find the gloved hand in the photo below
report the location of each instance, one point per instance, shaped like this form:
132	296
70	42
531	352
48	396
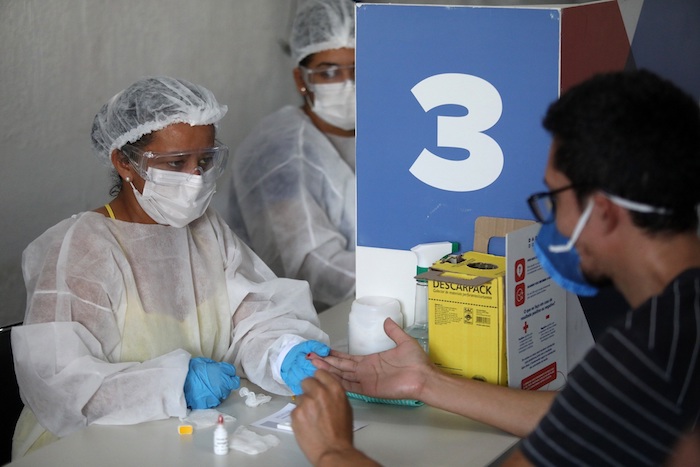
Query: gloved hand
209	382
295	367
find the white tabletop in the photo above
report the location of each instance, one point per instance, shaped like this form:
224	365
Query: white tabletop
395	435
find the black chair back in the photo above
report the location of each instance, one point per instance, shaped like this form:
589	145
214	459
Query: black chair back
11	404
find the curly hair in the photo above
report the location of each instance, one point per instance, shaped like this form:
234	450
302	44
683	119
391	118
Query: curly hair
634	135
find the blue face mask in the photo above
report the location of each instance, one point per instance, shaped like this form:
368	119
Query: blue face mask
564	267
557	253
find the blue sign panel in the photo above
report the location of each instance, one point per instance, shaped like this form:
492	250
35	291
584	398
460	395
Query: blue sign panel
449	108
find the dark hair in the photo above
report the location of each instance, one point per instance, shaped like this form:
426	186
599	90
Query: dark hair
116	179
306	60
634	135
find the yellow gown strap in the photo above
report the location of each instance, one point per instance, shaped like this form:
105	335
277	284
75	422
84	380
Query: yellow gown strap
109	211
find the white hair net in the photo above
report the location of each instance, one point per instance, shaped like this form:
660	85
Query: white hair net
322	25
148	105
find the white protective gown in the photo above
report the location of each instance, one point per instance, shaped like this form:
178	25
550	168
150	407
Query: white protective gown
293	199
116	309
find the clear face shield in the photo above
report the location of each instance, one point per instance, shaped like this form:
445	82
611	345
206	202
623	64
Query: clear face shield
209	162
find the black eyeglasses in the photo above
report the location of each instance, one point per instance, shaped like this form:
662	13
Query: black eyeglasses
543	205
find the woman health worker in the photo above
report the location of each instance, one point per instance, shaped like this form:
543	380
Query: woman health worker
149	304
293	183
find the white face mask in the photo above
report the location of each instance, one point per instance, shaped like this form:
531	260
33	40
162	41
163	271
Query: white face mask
335	103
175	198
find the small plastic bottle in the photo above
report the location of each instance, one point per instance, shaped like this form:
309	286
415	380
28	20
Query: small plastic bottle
220	437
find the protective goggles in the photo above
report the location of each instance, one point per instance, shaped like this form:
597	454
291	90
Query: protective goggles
209	161
328	74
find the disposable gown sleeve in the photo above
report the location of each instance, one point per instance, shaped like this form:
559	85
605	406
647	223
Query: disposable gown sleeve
65	351
74	386
296	198
270	316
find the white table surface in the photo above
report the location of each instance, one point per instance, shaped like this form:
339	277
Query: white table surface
395	435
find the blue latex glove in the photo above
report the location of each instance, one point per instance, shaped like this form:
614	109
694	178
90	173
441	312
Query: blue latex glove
296	367
209	382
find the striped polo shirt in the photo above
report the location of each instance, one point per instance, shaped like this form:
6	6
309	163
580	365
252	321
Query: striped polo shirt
635	392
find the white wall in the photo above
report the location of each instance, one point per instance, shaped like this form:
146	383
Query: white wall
60	60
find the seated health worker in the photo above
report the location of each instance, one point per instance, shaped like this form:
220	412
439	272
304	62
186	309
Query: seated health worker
293	185
150	304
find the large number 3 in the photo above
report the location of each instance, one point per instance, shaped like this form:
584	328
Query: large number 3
484	108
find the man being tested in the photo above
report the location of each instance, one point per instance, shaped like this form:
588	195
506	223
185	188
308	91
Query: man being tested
621	207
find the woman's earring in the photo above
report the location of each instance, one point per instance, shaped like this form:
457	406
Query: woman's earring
127	179
303	90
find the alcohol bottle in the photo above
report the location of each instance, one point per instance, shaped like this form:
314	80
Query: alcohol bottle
427	254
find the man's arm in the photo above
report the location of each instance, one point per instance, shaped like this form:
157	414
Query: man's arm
405	372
